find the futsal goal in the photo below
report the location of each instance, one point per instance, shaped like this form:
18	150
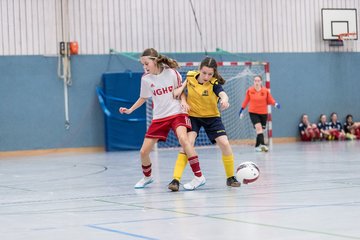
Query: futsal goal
239	77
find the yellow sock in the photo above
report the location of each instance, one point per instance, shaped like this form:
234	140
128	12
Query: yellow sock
180	165
228	165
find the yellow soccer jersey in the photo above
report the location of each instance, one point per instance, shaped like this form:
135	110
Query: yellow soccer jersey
202	98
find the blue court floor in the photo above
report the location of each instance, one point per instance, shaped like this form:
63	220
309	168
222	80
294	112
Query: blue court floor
305	191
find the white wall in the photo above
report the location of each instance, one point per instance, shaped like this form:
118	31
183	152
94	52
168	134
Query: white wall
34	27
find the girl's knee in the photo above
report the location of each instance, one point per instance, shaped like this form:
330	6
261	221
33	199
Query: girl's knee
184	143
144	153
223	143
183	139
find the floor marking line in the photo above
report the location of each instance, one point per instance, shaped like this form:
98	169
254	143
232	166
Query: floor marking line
236	220
121	232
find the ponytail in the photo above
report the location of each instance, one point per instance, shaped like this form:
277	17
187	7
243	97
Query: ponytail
220	79
159	59
167	61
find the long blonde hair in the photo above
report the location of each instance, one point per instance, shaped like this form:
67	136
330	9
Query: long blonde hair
159	59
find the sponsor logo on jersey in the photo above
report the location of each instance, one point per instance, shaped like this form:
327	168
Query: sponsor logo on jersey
161	91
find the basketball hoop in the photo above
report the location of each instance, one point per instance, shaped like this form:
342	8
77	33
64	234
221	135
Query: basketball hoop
348	39
343	37
347	36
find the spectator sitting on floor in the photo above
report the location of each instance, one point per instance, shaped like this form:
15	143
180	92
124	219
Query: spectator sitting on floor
323	127
308	131
351	128
335	127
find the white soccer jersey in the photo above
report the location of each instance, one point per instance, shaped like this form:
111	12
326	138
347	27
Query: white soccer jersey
160	88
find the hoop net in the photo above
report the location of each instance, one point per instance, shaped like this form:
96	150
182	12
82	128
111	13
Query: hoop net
347	36
348	39
239	77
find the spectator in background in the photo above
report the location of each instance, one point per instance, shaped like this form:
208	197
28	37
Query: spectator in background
335	128
308	131
351	128
323	127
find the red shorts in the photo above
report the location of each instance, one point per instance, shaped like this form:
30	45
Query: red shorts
305	138
160	128
312	134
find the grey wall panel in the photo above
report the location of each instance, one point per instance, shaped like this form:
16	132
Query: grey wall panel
34	27
28	27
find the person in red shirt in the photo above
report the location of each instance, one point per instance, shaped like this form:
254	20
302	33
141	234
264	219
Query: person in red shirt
258	98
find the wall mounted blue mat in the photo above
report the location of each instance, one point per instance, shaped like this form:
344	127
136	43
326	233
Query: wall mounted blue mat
122	131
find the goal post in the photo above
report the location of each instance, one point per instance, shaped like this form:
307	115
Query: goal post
239	77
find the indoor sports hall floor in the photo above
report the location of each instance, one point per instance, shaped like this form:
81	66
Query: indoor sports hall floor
305	191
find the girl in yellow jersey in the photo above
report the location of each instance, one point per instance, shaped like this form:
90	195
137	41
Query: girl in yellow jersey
204	92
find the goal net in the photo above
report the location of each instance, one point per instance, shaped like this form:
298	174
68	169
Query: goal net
239	77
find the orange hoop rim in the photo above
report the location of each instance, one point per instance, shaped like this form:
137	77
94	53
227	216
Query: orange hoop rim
346	36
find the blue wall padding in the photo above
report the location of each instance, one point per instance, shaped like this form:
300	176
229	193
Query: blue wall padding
122	131
32	106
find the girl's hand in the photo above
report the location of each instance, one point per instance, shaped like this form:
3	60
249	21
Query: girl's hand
123	110
224	105
177	93
185	106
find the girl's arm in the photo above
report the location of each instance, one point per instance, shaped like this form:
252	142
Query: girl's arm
135	106
178	91
224	100
184	103
272	101
246	100
244	104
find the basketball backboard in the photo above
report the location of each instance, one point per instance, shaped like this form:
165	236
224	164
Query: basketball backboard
337	21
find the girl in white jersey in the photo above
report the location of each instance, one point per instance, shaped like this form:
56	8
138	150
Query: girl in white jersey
158	82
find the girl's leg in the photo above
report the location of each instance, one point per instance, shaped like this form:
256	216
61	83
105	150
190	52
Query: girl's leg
259	132
341	135
258	121
326	134
145	150
260	142
316	132
182	158
228	160
181	133
311	133
357	133
224	145
199	180
335	134
180	165
305	137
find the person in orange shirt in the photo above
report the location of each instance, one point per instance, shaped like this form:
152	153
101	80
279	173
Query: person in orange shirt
258	98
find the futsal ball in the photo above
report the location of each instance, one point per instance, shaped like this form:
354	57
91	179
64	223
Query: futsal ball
247	172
